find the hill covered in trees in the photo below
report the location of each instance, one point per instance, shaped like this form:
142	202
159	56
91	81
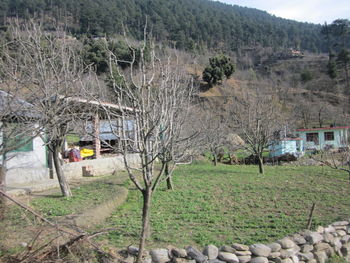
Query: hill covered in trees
257	43
193	25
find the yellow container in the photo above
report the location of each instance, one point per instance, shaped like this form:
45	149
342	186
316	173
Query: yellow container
86	153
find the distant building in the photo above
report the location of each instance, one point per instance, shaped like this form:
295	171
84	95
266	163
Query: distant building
323	138
294	52
293	146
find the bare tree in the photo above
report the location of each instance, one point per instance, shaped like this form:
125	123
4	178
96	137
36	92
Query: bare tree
302	112
181	150
46	67
257	119
153	96
338	161
213	130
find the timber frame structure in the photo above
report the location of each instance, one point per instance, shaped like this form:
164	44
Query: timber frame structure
97	111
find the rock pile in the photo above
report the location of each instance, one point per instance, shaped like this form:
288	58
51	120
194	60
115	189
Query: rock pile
302	247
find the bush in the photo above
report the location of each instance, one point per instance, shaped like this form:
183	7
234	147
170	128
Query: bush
306	76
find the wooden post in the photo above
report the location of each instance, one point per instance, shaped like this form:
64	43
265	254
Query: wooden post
97	141
50	164
120	133
135	135
2	188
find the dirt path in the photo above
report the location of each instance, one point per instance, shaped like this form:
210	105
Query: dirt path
92	215
20	228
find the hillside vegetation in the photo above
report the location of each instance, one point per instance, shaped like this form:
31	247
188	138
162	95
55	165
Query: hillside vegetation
257	43
193	25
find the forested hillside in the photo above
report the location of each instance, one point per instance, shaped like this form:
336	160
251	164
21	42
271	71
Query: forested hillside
192	25
312	88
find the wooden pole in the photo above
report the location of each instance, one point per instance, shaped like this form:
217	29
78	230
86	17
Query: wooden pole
97	141
50	164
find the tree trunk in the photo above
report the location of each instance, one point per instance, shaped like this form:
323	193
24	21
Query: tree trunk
261	164
347	79
2	188
65	189
215	160
320	121
169	180
145	232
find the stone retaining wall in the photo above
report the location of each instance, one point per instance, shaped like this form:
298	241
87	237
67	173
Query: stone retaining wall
101	166
302	247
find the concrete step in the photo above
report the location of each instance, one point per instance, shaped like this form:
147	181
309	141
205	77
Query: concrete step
23	189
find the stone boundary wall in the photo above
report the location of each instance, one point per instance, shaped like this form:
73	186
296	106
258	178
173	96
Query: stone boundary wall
303	247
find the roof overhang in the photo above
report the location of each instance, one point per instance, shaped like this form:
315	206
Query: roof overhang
326	128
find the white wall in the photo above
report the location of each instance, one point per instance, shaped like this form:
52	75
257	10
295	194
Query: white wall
340	139
31	159
28	167
101	166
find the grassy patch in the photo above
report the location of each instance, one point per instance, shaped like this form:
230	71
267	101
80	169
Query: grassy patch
20	226
72	138
336	259
84	197
15	221
225	204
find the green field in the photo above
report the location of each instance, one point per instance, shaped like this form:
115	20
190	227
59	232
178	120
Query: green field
225	204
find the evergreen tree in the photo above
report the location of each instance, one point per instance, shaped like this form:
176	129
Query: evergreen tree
219	66
181	23
344	59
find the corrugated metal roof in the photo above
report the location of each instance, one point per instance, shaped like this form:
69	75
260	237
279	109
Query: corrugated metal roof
98	103
103	137
326	128
108	130
291	139
11	106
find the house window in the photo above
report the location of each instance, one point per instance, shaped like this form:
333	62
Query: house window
312	137
15	138
25	144
329	136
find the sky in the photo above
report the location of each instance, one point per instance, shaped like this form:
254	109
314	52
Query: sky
312	11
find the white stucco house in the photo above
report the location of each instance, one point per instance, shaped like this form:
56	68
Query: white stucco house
22	149
25	156
28	163
293	146
328	137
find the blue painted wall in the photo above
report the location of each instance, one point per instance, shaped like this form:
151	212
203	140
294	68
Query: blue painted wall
340	139
282	147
